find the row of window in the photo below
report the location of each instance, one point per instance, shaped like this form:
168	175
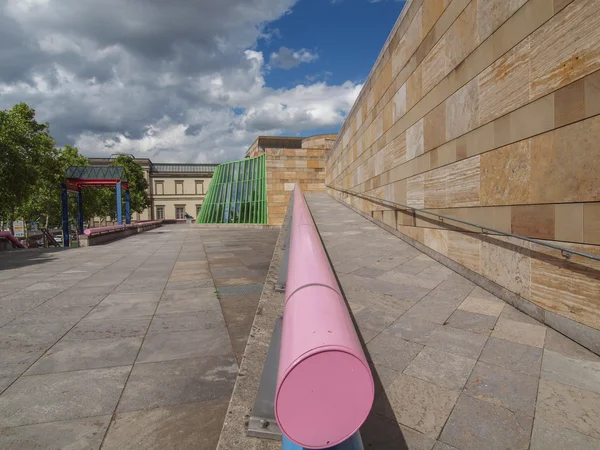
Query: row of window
179	212
159	187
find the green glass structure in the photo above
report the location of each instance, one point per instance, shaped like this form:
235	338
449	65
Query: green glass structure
237	193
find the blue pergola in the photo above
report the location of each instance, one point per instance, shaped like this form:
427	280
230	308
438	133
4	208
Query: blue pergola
78	177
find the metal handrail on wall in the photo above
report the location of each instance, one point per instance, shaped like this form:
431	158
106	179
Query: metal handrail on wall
565	252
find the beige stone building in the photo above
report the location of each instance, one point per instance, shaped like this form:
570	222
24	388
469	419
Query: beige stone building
174	189
489	112
291	160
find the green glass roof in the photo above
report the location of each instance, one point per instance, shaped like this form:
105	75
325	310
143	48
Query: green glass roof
237	193
96	173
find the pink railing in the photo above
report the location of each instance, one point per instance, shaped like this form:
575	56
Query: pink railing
14	241
325	388
102	230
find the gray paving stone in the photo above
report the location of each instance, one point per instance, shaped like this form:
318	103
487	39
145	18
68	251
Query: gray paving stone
15	336
511	313
512	356
373	319
231	272
415	440
439	445
397	276
432	310
193	425
388	303
561	344
367	335
79	434
111	310
368	272
184	300
481	305
403	291
568	407
185	344
194	284
421	405
383	377
390	351
179	382
62	396
459	342
348	266
475	424
442	368
78	296
133	297
450	292
50	313
413	329
15	361
22	302
415	265
546	436
49	286
108	328
5	382
520	332
188	321
574	372
468	321
87	354
146	285
512	390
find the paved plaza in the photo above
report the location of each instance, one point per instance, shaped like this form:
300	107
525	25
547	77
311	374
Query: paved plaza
130	345
136	345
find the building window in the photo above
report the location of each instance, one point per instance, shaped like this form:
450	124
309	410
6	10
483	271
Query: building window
159	188
198	208
199	187
160	212
179	188
180	212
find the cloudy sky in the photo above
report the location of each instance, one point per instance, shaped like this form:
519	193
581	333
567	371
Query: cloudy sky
188	80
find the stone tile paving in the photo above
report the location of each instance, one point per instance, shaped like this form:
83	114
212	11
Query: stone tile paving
239	260
455	367
124	345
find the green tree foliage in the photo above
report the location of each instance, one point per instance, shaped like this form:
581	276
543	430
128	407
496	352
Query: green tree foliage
32	170
138	184
26	151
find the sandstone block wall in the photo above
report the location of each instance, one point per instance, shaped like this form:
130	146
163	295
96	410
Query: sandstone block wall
488	111
286	167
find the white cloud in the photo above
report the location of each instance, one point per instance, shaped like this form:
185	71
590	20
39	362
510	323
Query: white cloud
173	81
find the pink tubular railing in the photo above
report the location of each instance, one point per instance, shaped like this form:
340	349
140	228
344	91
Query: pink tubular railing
325	388
102	230
14	241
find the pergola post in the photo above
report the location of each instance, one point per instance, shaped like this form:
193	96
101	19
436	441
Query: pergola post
80	211
119	205
65	214
127	207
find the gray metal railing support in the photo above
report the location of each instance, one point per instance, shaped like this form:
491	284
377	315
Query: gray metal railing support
283	268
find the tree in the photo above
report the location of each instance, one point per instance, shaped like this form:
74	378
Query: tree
26	151
138	184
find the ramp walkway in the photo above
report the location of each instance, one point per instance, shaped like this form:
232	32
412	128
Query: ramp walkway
454	366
